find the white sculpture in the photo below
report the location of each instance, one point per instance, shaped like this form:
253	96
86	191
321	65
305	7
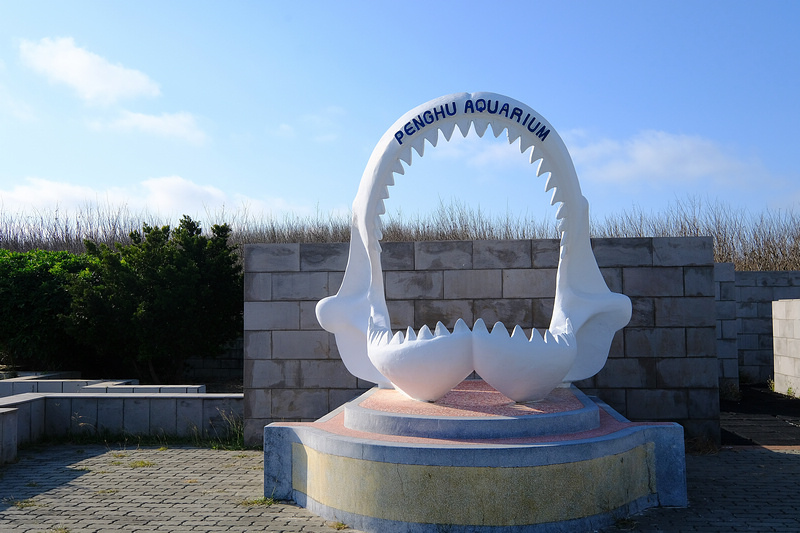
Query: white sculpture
428	364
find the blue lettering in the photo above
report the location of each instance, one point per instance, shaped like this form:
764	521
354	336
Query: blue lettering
527	116
398	136
438	112
541	135
480	105
418	122
534	128
447	108
504	110
409	129
468	106
489	107
427	116
517	112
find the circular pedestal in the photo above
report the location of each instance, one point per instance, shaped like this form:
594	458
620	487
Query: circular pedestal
475	462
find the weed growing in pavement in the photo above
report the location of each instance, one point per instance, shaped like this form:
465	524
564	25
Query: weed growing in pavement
21	504
141	464
338	526
257	501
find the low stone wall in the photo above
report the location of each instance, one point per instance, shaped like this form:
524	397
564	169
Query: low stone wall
29	417
786	338
662	366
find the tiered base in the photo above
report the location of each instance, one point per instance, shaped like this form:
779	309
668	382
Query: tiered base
475	461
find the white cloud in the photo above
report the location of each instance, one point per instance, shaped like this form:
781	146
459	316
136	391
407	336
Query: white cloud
178	125
660	158
168	196
95	79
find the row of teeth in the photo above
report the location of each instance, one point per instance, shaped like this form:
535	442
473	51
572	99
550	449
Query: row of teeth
481	125
381	336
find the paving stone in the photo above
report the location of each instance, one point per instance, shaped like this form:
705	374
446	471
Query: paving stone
192	489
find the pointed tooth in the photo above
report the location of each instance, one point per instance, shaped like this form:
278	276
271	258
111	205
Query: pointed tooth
558	196
480	327
425	333
432	137
378	234
518	332
440	330
381	207
524	143
550	183
480	126
390	180
561	212
419	145
384	192
513	134
447	131
548	337
397	339
460	326
405	155
499	329
544	167
398	168
536	336
463	126
410	335
497	130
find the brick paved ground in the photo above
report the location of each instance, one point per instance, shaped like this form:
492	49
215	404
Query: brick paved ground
97	489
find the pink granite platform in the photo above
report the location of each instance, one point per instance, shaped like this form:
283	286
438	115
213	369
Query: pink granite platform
472	397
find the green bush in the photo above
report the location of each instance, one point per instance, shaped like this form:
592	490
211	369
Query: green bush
34	297
131	310
153	303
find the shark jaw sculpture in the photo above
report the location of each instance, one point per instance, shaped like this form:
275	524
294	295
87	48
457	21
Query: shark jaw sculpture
426	365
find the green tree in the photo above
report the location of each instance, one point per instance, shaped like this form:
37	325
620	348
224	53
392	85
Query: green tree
33	300
167	296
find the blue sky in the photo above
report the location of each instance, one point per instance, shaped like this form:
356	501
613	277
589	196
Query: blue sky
186	107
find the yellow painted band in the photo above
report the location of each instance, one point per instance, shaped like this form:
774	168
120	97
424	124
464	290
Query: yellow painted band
477	496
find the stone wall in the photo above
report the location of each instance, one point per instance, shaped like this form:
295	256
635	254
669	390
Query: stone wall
755	292
786	338
663	366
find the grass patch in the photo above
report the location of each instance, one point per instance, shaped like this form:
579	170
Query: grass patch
21	504
338	526
141	464
266	502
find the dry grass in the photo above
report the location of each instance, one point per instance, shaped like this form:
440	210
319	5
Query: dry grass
767	240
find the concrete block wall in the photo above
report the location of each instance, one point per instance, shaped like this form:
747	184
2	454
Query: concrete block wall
228	366
755	292
786	338
663	366
29	417
727	329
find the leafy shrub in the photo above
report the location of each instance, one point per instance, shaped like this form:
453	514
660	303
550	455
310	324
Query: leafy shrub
131	310
153	303
34	297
